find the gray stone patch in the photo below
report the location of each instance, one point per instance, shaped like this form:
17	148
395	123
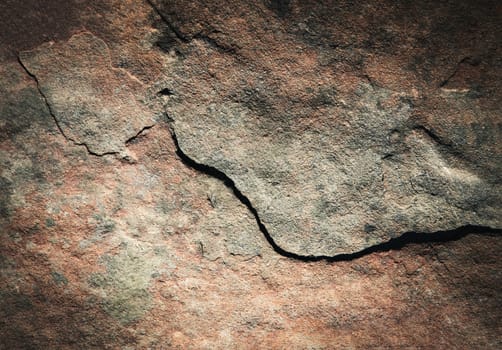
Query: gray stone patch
95	104
316	188
124	286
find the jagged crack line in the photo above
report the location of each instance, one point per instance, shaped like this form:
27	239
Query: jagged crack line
457	67
51	112
393	244
138	134
212	171
94	153
184	39
56	121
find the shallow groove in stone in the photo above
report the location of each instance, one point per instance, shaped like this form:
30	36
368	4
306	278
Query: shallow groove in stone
168	23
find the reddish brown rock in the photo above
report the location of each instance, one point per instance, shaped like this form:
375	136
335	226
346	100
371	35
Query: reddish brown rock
147	252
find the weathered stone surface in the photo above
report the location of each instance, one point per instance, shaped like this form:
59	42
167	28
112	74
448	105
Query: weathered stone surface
95	104
334	155
101	252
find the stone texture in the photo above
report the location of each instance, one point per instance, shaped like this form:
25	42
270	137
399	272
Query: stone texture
140	250
332	150
94	104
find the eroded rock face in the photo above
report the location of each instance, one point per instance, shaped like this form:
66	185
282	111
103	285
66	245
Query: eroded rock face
139	249
334	156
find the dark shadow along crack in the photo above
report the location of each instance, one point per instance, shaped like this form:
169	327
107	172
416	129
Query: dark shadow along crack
393	244
215	44
455	71
134	138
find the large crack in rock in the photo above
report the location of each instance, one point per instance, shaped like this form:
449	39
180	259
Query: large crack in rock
315	200
94	104
394	243
332	164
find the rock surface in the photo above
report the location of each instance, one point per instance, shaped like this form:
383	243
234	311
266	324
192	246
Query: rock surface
334	126
93	103
333	159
